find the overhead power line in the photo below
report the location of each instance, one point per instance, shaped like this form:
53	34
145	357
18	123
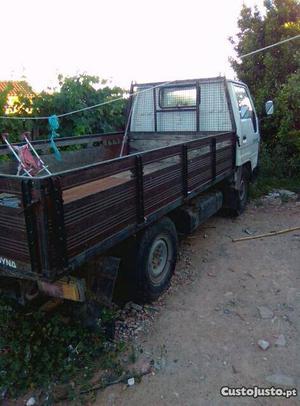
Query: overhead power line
138	92
269	46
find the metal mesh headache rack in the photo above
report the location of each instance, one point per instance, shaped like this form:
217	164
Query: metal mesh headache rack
195	106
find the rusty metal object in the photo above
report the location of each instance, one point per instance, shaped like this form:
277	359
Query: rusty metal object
69	288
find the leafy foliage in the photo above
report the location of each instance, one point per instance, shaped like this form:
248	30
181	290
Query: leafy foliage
37	349
274	171
288	106
265	72
273	73
13	127
79	92
74	93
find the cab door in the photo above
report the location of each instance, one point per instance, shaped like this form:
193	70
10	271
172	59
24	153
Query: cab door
248	128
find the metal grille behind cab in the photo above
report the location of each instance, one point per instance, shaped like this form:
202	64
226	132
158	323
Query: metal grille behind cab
199	106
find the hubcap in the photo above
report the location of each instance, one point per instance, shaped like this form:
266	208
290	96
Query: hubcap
158	257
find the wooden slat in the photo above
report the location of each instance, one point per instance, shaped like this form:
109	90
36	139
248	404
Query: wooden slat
96	171
94	217
159	154
43	145
10	185
13	234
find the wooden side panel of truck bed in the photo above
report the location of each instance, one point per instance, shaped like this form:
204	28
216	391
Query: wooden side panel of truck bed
68	218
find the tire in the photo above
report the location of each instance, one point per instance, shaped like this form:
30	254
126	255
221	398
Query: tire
236	200
155	260
242	194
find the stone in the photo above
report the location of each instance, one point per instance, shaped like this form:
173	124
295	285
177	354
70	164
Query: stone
272	195
130	382
3	393
152	308
281	341
31	402
287	193
263	344
265	312
159	364
247	231
136	307
281	379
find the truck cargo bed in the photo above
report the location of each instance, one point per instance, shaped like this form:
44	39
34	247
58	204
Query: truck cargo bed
62	220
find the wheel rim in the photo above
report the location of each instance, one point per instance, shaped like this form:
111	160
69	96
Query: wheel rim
159	258
242	191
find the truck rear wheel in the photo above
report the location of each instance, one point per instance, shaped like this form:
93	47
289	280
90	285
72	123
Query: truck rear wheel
155	260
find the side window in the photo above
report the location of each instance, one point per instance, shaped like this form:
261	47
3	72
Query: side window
176	97
244	101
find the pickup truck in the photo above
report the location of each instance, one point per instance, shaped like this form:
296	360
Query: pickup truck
190	148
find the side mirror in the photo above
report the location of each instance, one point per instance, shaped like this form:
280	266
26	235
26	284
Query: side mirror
244	111
269	107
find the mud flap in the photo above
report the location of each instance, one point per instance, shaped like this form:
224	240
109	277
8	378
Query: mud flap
101	279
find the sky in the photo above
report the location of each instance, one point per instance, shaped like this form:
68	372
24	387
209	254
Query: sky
129	40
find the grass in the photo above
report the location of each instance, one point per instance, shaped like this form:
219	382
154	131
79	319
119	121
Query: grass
265	185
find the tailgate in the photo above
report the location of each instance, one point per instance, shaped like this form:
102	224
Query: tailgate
14	248
31	232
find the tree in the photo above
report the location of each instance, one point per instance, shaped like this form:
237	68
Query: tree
273	74
266	72
22	105
287	120
74	93
79	92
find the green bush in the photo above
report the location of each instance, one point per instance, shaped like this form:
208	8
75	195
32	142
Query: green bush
278	161
276	170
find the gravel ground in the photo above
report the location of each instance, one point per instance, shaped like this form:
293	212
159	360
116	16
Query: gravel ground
228	301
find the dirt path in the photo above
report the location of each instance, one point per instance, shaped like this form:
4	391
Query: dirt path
206	333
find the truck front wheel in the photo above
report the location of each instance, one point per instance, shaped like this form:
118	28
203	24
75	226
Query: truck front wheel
155	260
235	200
242	194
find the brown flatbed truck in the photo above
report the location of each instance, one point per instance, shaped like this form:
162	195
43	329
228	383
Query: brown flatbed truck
183	139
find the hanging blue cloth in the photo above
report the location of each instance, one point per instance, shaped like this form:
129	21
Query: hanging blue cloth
54	125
